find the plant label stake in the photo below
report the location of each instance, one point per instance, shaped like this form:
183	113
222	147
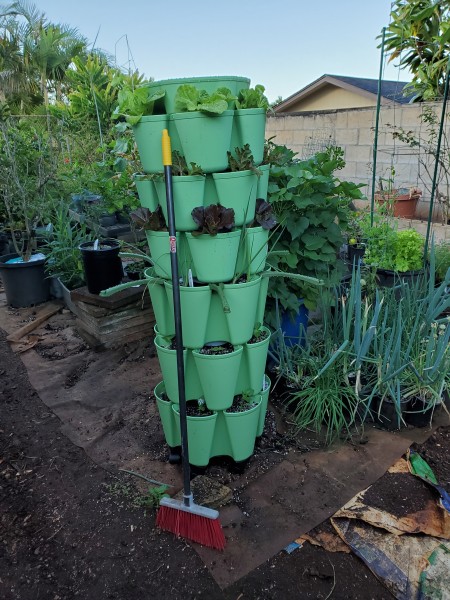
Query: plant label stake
184	519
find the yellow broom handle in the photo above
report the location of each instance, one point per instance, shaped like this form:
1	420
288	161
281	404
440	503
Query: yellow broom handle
166	149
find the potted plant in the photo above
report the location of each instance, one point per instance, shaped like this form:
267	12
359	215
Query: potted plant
145	186
28	181
167	415
188	183
214	245
201	424
254	249
397	202
250	121
102	264
236	188
136	105
242	421
204	123
218	362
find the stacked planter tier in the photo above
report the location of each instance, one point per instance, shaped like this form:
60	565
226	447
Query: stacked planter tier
220	307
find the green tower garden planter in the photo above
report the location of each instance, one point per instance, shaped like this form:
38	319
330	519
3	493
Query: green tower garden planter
158	242
195	307
264	402
254	361
209	84
168	417
168	363
205	139
148	134
249	128
263	182
218	375
237	190
242	427
242	300
158	296
147	192
188	193
253	253
200	435
214	257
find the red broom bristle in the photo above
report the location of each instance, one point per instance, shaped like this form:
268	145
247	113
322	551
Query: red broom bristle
202	530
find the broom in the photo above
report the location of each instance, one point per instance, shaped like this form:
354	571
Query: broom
183	518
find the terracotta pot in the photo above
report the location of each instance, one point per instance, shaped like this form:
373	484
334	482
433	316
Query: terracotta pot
404	205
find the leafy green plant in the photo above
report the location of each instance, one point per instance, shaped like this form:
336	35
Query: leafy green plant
189	98
442	253
252	98
180	166
243	160
213	219
135	102
312	206
394	250
63	255
264	216
146	220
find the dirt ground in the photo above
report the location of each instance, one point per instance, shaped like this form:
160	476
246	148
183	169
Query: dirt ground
64	534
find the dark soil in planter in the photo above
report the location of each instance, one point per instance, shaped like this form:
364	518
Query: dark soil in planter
259	336
194	409
135	271
240	404
225	348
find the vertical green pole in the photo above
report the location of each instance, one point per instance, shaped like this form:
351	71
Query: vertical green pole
436	164
377	120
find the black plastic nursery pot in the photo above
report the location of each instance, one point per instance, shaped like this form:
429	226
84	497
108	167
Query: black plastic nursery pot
419	413
356	253
387	278
102	267
25	283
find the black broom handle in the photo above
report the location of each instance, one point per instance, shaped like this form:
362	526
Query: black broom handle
167	161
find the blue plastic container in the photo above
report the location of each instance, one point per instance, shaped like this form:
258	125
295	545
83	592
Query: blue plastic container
294	329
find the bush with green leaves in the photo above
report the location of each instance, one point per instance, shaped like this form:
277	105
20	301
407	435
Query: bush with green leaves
394	250
311	205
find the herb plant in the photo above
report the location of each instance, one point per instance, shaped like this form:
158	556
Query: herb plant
189	98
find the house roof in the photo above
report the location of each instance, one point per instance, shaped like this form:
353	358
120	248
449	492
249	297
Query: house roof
391	91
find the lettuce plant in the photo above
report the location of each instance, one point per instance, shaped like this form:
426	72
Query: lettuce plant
180	166
264	216
189	98
213	219
148	221
252	98
243	160
135	103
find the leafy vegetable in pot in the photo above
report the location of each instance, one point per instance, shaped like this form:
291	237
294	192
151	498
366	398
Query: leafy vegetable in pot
264	215
148	221
243	160
180	167
189	98
252	98
213	219
136	103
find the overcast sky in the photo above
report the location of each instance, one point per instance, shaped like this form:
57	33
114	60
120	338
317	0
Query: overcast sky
283	46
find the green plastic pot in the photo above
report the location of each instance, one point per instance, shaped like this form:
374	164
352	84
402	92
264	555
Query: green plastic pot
168	363
237	190
158	242
256	358
261	307
249	128
205	139
188	193
195	304
242	428
218	376
148	135
263	182
209	84
214	257
211	196
264	402
242	299
253	253
147	192
200	436
161	307
168	419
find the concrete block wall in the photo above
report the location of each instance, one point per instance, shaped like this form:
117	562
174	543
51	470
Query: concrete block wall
353	130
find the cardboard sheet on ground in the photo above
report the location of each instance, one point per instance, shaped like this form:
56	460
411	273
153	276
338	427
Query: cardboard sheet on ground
103	403
412	567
